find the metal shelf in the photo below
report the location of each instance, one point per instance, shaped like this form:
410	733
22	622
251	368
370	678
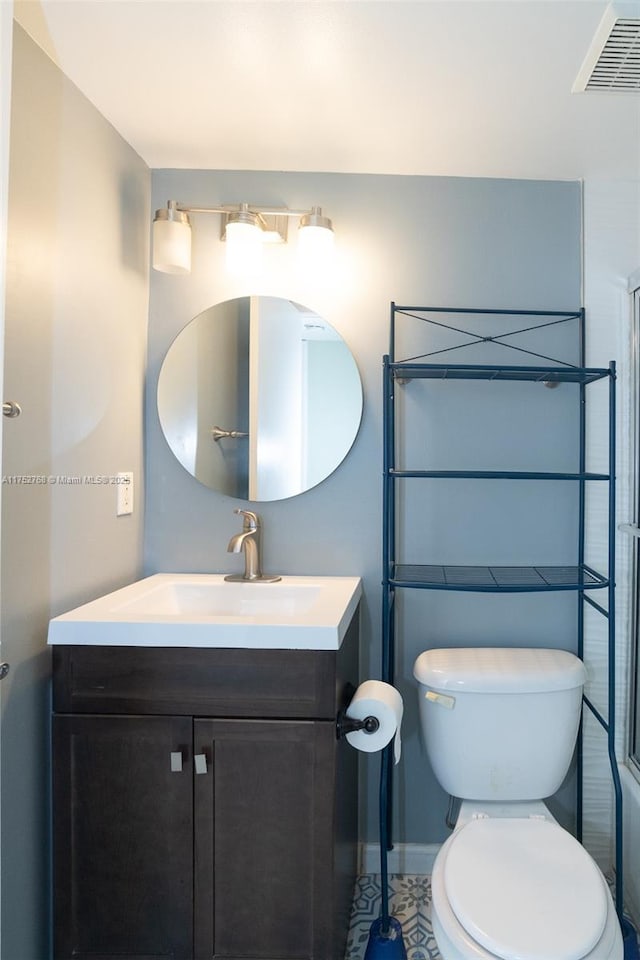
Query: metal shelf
493	328
409	370
492	475
496	579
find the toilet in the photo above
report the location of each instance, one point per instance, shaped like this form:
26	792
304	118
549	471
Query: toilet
500	727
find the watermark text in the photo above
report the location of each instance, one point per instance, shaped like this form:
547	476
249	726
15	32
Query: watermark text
40	479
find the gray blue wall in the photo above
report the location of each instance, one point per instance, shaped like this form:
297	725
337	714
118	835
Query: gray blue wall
440	241
76	317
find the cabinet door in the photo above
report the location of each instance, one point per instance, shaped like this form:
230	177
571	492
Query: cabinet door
123	837
264	840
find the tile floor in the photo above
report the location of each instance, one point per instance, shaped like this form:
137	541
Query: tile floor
409	902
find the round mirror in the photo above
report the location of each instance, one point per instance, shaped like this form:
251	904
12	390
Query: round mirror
259	398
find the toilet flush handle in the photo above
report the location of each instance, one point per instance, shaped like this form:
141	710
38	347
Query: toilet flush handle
442	699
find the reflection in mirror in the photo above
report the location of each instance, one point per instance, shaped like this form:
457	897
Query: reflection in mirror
259	398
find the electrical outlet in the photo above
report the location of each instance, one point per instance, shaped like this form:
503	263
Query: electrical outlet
124	497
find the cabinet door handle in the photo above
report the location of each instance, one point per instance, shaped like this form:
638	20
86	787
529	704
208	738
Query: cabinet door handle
200	761
176	761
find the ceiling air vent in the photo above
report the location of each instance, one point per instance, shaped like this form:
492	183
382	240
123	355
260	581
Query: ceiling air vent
612	64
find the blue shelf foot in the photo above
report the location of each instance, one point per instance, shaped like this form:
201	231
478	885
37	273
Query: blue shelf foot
630	940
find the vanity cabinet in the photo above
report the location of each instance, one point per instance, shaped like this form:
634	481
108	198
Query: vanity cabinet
203	806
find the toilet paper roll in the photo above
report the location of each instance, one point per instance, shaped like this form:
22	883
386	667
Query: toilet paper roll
373	698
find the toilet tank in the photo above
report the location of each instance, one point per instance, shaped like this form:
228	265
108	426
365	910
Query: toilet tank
499	723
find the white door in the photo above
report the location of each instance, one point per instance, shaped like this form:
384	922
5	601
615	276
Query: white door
6	33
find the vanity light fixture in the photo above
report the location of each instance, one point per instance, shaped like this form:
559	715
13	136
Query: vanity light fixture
315	232
243	233
244	226
172	240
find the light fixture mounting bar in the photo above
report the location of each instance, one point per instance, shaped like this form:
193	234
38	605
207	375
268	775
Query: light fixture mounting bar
235	207
273	220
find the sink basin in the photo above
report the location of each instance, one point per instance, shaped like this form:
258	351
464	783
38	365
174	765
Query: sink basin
203	610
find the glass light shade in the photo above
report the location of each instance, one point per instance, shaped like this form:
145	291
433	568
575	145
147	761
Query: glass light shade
244	248
315	242
171	246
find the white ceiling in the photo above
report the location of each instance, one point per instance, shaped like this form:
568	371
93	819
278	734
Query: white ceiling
437	87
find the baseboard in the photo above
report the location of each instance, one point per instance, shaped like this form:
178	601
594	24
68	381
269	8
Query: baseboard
404	858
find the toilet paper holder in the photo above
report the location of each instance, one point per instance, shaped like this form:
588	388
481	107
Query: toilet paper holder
345	724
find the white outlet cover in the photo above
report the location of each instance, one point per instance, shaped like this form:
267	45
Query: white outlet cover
124	496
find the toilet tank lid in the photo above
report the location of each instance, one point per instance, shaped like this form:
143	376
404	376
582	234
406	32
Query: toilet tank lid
499	669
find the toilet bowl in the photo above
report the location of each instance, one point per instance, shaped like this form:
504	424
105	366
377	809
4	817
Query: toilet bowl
520	888
500	727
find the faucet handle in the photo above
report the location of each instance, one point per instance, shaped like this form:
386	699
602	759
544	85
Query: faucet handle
251	519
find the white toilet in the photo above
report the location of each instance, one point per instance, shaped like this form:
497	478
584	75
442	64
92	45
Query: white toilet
500	727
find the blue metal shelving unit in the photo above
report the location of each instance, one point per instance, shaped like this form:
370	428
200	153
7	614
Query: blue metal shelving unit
580	578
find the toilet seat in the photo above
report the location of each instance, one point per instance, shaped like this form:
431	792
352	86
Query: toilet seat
496	869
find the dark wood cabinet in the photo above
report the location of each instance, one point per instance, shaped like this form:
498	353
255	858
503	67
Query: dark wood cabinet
123	828
269	844
226	830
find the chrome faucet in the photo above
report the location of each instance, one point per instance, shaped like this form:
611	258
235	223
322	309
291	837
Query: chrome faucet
248	541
